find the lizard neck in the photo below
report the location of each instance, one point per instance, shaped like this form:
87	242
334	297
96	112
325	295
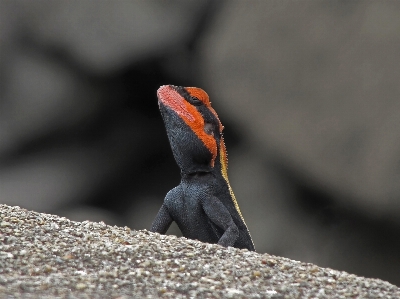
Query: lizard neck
217	170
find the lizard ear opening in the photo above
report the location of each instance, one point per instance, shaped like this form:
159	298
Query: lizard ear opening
208	128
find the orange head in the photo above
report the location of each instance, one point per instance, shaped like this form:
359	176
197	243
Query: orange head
193	126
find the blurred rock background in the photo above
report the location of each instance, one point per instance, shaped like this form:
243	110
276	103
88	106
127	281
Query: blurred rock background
308	92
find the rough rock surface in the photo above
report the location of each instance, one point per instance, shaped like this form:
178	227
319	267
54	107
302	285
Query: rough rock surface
46	256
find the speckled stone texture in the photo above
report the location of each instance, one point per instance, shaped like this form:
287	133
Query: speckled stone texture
45	256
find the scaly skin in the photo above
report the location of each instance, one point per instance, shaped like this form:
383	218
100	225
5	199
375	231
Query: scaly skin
203	204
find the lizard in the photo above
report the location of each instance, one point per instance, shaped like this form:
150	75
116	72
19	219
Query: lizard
203	204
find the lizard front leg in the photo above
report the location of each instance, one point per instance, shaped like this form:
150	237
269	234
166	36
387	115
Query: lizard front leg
162	221
220	216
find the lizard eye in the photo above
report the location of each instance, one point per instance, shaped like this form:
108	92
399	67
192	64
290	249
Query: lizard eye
194	101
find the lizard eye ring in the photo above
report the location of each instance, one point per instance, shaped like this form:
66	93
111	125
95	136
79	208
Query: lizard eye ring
194	101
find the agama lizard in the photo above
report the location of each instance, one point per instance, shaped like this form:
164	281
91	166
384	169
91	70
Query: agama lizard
203	204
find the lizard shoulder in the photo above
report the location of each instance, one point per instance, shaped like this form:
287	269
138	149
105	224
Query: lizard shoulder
173	195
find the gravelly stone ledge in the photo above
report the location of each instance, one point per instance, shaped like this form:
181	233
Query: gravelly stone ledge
46	256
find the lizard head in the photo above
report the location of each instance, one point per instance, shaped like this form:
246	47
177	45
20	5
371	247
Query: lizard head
193	127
